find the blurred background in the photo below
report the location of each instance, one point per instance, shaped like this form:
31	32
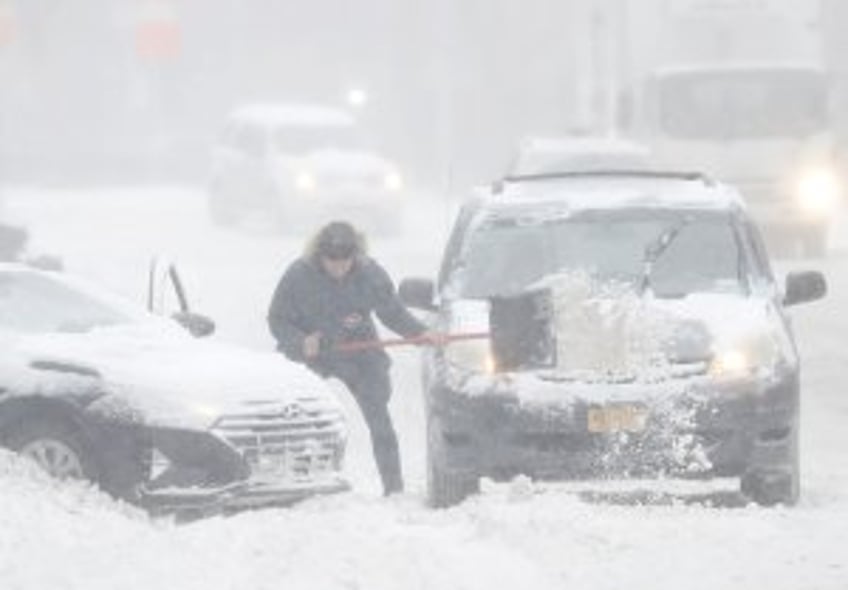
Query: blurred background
136	90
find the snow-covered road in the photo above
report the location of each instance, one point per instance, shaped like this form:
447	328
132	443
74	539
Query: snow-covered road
64	536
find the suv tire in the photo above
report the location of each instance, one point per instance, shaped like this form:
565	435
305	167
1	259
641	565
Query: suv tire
445	487
772	488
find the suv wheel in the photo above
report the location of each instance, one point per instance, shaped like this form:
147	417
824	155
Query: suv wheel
445	487
56	448
778	487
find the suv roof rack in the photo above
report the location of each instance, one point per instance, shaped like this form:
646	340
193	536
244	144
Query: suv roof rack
499	185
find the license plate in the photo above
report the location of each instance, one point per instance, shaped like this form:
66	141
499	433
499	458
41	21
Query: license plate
617	418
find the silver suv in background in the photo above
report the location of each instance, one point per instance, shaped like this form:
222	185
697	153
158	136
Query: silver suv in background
301	165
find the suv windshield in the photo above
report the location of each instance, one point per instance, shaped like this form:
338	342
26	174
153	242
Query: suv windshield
503	257
305	139
36	304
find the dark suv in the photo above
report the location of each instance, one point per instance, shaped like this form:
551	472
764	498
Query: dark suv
635	330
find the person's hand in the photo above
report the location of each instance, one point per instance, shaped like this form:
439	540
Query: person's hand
312	345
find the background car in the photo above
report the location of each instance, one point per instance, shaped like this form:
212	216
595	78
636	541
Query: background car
544	155
302	164
94	387
636	330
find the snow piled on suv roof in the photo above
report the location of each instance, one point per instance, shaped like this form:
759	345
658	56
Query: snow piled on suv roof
617	190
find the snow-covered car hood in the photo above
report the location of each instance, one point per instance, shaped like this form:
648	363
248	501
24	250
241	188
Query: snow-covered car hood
626	338
170	378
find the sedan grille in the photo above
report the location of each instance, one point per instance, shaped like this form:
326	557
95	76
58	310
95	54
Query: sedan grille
293	441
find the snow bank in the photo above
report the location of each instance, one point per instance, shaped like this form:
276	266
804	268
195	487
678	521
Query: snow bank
74	538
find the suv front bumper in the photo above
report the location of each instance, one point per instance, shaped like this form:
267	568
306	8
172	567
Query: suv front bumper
707	430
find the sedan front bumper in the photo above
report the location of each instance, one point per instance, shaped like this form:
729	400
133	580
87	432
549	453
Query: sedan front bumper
201	471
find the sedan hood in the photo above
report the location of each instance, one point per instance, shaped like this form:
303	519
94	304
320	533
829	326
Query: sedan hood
175	380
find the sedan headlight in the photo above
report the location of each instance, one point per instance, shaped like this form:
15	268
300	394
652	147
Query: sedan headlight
209	412
818	192
393	182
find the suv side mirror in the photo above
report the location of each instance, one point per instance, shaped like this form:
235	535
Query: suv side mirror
804	286
417	293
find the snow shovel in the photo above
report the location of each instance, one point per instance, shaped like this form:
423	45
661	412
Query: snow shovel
358	345
521	332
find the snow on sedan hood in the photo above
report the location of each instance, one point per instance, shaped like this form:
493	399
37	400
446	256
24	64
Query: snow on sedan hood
173	379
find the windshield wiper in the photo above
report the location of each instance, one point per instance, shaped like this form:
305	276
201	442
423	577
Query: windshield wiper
655	249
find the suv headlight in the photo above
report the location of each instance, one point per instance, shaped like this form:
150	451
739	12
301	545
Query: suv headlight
758	355
731	363
818	191
471	355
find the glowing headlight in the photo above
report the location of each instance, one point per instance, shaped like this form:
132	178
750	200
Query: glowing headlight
818	192
471	355
206	410
393	182
731	363
756	354
305	182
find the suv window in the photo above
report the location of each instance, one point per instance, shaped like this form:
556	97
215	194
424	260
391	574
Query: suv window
504	256
251	140
303	139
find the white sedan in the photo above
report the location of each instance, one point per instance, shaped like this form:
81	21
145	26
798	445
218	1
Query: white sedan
92	386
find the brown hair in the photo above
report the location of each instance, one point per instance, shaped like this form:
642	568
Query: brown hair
337	239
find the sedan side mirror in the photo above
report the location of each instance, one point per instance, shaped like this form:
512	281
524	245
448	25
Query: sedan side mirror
804	286
417	293
196	324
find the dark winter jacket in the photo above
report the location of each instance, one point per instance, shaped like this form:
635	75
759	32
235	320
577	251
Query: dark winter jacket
309	300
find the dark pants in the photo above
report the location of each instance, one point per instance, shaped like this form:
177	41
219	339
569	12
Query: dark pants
369	383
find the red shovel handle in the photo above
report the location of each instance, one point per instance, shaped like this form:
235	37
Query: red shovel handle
358	345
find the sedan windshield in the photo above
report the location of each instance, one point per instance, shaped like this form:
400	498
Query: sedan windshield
504	257
34	303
